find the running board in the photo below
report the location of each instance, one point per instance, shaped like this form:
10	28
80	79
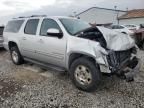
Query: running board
46	65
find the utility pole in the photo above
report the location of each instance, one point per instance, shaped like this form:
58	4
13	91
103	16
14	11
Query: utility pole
117	14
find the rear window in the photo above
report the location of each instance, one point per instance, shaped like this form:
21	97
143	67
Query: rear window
14	26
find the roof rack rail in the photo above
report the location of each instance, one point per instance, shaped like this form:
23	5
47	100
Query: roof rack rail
38	16
31	16
20	17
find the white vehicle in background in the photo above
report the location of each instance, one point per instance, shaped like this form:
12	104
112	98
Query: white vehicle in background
132	26
122	29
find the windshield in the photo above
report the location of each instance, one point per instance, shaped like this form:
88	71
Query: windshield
73	26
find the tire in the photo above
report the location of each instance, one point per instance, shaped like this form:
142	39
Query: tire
92	71
16	56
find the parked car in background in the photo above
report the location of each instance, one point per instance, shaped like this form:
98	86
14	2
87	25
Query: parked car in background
72	45
141	26
139	38
132	27
1	35
122	29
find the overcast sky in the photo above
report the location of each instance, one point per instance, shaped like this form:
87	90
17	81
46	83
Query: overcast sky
12	8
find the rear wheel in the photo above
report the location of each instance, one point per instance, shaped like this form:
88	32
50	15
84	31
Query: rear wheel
16	56
85	74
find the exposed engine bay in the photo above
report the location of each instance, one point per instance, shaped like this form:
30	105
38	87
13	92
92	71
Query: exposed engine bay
95	35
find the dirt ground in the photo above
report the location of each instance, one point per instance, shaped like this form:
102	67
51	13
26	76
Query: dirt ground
28	86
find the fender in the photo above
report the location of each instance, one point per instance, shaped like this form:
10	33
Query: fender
87	48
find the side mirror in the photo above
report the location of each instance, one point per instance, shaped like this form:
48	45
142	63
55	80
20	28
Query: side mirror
54	33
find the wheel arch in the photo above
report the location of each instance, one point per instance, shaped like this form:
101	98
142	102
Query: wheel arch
73	56
11	44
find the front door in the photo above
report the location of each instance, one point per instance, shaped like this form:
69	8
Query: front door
51	49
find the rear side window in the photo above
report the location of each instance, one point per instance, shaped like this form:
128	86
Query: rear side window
31	26
14	26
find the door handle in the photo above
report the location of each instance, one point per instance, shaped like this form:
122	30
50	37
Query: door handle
24	38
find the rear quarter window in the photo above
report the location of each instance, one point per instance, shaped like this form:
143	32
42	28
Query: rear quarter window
14	26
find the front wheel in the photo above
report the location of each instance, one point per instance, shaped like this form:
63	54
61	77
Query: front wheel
16	56
85	74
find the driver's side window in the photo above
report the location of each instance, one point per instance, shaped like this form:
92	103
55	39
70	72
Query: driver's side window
47	24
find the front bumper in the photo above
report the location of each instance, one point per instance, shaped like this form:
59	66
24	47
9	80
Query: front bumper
129	68
120	60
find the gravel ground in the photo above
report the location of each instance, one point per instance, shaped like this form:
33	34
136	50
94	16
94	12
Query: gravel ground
28	86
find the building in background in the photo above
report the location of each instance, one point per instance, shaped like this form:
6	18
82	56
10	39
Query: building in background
101	15
135	16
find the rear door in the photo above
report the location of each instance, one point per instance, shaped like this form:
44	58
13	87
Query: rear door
28	38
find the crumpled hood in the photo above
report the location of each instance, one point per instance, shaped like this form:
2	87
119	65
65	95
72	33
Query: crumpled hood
116	41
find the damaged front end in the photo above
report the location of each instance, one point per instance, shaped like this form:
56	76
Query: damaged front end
120	48
123	63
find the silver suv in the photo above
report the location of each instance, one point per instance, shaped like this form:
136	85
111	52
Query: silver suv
68	44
